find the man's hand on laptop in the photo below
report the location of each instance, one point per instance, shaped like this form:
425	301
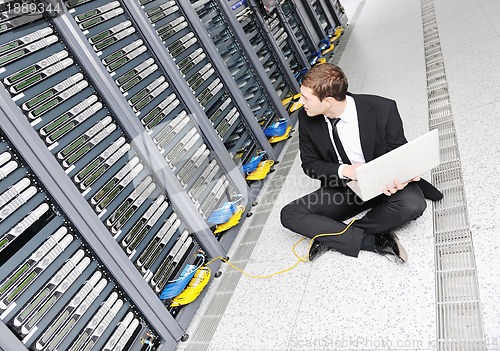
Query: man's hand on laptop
349	170
393	188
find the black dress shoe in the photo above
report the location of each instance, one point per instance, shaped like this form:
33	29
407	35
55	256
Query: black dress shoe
389	244
317	249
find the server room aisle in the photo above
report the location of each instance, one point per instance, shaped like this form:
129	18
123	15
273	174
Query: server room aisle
338	302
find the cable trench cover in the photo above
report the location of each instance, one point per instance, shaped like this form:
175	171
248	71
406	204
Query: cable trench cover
459	315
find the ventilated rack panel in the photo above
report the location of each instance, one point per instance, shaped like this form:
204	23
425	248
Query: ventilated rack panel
256	34
148	89
73	120
299	31
200	73
338	12
242	72
321	15
54	292
284	41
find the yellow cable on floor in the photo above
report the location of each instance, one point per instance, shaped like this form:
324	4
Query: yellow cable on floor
194	288
261	171
234	220
324	52
338	32
300	258
285	136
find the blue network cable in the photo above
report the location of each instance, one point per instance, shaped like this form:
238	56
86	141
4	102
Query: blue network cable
299	75
175	287
277	129
223	214
324	44
315	57
253	163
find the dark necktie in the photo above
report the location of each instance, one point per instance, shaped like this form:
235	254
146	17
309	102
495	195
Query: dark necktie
338	143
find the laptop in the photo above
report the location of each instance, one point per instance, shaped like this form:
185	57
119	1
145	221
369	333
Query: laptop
403	163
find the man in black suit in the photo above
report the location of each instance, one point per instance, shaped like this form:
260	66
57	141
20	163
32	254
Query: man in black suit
338	132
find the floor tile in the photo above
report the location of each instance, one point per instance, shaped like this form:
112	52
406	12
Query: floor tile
472	78
261	312
482	181
370	299
486	248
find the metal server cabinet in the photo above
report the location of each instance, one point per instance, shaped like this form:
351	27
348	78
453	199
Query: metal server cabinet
271	57
320	12
287	42
337	11
195	146
117	183
237	54
310	18
196	57
299	28
55	291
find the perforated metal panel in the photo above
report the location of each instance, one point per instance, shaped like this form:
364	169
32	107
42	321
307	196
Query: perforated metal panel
459	319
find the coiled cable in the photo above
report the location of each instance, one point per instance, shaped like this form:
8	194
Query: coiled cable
253	163
276	129
175	287
194	287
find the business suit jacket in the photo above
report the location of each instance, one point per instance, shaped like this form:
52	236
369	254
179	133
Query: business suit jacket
380	131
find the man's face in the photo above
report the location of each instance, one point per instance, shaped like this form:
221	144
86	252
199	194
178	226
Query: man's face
312	105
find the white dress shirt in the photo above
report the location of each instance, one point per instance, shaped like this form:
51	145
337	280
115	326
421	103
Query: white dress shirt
348	130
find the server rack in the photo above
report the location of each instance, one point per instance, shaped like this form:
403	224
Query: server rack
286	41
201	66
56	287
321	14
86	141
153	81
264	44
299	28
255	86
310	19
336	10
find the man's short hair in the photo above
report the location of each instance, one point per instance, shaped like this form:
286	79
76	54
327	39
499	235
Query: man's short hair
326	80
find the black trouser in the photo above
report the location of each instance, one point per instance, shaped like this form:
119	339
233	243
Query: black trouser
322	211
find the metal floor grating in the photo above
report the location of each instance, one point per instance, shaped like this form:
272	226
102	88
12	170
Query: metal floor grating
459	318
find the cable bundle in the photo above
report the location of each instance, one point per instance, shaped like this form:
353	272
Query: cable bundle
314	58
253	163
299	75
285	136
194	288
223	214
277	129
175	287
234	220
261	171
324	44
292	98
329	49
338	32
321	61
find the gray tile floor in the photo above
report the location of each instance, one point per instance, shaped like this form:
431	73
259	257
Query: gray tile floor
369	303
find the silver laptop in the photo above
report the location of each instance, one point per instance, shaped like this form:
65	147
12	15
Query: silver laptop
403	163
